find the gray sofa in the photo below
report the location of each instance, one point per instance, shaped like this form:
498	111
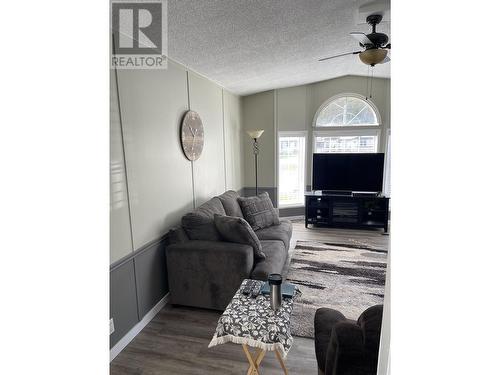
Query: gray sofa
205	271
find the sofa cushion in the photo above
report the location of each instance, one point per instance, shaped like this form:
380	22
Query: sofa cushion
282	232
275	260
259	211
200	225
236	229
230	202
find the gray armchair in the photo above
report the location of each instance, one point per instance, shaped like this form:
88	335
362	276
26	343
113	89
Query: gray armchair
347	347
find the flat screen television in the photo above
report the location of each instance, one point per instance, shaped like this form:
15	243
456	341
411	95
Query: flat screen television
348	172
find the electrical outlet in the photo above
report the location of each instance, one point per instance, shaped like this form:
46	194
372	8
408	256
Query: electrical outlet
111	326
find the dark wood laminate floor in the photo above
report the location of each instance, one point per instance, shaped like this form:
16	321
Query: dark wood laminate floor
176	340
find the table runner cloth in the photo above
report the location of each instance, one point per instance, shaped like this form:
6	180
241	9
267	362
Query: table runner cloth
251	321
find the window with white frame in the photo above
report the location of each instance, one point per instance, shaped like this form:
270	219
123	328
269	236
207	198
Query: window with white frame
354	141
292	158
348	124
346	110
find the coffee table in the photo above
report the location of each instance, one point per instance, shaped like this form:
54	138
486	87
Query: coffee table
251	322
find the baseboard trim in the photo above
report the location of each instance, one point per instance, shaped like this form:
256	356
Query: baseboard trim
129	336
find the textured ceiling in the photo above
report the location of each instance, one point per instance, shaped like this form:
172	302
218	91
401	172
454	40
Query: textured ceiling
248	46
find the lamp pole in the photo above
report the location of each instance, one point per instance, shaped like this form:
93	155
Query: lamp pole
255	134
256	152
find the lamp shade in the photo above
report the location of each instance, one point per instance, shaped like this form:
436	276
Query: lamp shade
373	56
254	134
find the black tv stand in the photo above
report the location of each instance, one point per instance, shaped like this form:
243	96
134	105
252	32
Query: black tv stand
336	192
347	211
364	194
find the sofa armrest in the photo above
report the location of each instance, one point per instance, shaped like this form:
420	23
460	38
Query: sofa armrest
207	273
345	348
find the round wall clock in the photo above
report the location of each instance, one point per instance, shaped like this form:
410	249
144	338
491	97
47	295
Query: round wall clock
192	136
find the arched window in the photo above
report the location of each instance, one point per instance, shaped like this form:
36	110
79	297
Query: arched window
346	123
346	111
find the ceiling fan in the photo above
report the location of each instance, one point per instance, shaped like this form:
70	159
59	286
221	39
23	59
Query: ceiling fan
375	44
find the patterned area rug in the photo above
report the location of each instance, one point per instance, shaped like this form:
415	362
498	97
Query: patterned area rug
348	277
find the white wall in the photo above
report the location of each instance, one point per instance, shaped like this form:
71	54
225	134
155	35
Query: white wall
258	113
120	235
234	141
293	107
381	97
160	178
209	176
294	110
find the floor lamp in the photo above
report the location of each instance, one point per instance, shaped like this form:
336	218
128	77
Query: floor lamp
255	135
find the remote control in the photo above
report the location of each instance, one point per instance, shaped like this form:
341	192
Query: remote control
255	289
248	288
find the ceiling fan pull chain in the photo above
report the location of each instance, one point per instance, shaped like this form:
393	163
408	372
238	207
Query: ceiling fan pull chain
367	81
371	84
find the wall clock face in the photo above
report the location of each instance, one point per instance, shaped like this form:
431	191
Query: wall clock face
192	136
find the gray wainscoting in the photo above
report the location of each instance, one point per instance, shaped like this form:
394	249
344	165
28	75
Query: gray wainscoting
151	276
137	284
292	211
123	300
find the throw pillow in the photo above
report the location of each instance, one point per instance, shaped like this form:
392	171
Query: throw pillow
200	227
230	203
259	211
236	229
199	224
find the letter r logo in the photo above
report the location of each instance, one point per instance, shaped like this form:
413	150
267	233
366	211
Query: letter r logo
137	28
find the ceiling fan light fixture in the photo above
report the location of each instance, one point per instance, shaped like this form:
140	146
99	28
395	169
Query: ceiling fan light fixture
373	56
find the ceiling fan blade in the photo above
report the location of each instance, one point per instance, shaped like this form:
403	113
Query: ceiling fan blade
342	54
361	37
